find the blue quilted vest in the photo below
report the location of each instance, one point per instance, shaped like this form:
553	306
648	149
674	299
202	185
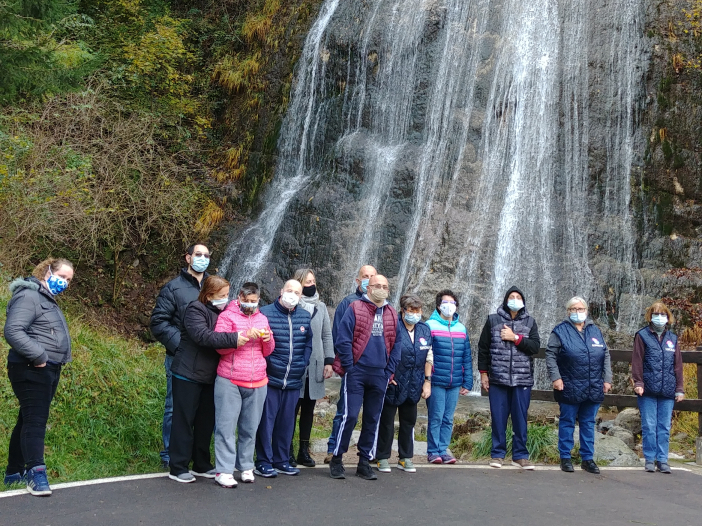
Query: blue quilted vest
659	363
287	363
581	364
409	373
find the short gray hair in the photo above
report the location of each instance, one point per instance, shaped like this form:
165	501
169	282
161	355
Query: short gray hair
576	299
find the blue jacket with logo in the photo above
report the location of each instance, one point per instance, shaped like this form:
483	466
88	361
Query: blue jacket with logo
659	363
409	373
453	364
581	363
292	332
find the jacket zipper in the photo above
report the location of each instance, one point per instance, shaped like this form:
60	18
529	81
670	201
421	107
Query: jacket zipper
451	338
287	371
511	357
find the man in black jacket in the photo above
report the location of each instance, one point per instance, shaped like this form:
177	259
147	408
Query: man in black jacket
509	340
167	322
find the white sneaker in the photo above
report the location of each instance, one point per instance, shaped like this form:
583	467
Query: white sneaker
248	476
226	480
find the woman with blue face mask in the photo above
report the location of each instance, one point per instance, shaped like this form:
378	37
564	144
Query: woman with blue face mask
39	347
411	381
580	368
657	371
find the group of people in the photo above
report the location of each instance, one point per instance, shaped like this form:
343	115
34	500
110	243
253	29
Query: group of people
243	372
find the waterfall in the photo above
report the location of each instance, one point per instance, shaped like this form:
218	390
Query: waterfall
470	144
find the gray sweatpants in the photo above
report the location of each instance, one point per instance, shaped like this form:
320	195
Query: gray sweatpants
236	409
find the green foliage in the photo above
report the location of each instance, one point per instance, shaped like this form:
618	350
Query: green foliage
39	51
90	179
542	443
105	418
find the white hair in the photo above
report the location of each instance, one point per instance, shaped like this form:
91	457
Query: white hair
575	299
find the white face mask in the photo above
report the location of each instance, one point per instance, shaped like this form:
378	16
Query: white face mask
289	299
220	304
448	309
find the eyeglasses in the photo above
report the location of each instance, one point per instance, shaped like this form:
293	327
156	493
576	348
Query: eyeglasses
448	301
384	287
201	255
574	309
659	314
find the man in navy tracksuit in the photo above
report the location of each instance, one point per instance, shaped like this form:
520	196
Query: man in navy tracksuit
366	357
292	333
364	274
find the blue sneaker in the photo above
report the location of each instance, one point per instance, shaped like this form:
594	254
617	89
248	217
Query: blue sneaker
15	478
447	459
434	459
286	469
264	470
37	483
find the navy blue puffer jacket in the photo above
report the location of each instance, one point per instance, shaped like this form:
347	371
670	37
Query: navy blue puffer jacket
659	363
292	332
581	362
409	373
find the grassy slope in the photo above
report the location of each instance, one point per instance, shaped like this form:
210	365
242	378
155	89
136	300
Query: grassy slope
105	419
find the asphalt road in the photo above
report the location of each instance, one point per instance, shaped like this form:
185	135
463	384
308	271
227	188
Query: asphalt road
432	496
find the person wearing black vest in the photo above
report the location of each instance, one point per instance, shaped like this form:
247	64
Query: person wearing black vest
367	355
578	362
365	273
291	326
411	381
657	371
507	343
167	323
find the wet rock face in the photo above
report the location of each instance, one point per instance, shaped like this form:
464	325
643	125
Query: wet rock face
490	158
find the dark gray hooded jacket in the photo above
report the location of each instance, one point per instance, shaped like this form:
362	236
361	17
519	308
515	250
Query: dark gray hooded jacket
35	328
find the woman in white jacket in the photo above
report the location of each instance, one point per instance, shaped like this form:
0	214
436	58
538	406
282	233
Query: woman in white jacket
319	368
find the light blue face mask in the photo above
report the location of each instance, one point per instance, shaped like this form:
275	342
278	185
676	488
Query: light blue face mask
200	264
412	318
659	320
578	317
364	285
515	305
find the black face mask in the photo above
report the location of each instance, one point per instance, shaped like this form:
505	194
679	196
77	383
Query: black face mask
310	291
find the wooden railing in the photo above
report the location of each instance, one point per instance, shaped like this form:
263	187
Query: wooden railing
621	400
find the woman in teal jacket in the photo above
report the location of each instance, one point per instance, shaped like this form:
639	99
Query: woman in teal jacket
452	375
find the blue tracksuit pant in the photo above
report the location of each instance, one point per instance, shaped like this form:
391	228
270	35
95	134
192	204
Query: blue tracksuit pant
277	426
340	409
367	390
506	400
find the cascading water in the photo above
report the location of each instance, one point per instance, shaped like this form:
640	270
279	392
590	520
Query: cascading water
468	144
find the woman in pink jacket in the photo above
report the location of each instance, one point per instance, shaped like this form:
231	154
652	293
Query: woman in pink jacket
240	387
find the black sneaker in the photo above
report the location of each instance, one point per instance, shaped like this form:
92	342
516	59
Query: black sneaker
567	465
590	467
365	471
336	468
292	461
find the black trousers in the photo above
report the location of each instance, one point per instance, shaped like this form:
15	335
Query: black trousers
386	431
34	388
192	428
305	407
